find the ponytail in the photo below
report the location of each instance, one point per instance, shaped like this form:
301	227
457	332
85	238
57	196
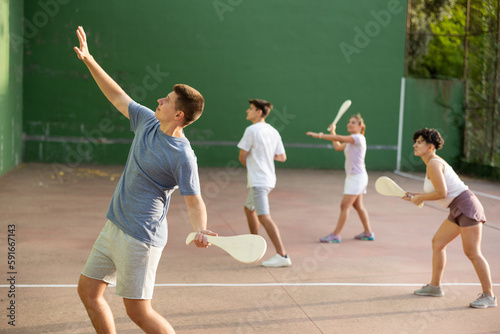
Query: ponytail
361	122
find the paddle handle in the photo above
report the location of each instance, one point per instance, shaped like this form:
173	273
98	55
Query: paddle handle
191	236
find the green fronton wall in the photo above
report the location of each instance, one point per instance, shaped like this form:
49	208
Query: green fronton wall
306	57
11	84
434	104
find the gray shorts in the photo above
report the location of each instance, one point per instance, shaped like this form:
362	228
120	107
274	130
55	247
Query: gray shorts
258	200
117	258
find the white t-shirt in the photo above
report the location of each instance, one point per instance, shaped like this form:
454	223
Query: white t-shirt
454	185
355	155
262	142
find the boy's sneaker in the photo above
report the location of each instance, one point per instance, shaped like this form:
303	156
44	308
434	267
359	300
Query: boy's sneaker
365	236
484	301
278	261
331	238
429	290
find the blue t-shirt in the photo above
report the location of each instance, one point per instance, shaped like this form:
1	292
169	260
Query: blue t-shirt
157	164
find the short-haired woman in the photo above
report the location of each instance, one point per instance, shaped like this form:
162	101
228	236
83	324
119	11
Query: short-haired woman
466	217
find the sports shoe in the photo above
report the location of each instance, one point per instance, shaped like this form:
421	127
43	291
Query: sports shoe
331	238
365	236
429	290
278	261
484	301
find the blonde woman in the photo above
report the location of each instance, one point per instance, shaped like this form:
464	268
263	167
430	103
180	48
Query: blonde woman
356	181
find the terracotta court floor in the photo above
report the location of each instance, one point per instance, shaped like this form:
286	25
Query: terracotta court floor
53	215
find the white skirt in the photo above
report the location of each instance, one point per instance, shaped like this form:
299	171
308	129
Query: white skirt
355	184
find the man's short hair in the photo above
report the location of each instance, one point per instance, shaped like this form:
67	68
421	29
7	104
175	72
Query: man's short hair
189	101
263	105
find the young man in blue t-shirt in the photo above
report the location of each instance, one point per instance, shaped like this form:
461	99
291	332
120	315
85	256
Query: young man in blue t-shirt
160	160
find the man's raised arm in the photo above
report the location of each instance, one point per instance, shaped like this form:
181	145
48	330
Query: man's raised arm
114	93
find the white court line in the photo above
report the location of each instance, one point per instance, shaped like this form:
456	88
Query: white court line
486	195
251	285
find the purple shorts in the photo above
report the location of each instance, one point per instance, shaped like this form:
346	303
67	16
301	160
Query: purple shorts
466	210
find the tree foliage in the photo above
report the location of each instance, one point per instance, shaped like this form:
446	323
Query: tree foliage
437	42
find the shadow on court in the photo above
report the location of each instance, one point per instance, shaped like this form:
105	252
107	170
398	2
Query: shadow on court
55	214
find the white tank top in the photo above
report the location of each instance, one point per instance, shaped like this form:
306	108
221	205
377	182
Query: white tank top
454	185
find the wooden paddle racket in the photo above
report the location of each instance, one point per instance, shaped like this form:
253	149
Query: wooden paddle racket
387	187
342	110
246	248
